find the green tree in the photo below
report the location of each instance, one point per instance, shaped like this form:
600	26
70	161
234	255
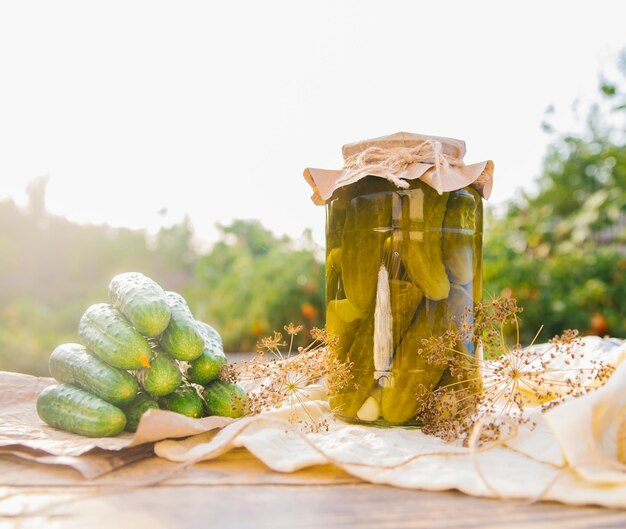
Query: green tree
561	251
252	283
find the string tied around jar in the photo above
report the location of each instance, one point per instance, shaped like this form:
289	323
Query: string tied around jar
401	158
392	162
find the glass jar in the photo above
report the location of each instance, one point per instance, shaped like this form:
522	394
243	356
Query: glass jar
402	266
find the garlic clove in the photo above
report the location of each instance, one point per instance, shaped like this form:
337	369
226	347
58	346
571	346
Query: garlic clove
369	411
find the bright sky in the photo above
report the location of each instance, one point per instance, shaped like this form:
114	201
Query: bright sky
215	108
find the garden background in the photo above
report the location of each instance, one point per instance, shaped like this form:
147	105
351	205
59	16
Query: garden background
558	246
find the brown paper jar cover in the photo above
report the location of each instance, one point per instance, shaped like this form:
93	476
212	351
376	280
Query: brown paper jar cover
403	156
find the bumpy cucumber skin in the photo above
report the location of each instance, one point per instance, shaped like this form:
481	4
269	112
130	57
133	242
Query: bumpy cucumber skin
135	410
73	409
72	363
162	377
207	367
226	399
186	401
181	338
107	333
142	301
209	333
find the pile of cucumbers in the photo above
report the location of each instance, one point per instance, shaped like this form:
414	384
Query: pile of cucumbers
144	350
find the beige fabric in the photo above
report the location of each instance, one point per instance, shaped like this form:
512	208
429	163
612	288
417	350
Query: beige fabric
570	456
402	157
549	461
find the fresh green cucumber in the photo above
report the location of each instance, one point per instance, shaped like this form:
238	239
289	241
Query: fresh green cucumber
142	301
209	333
73	409
107	333
72	363
135	410
185	400
182	338
162	377
225	399
207	367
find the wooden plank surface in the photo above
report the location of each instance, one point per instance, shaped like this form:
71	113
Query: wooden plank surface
281	506
237	491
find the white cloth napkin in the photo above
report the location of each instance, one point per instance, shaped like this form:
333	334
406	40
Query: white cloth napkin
569	456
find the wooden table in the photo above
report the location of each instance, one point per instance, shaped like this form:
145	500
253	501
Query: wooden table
237	491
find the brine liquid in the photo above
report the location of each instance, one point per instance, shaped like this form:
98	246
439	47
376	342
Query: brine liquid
401	266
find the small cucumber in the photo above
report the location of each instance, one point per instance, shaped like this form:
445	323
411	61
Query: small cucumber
185	400
135	410
226	399
75	410
181	339
209	333
162	377
107	333
142	301
72	363
207	367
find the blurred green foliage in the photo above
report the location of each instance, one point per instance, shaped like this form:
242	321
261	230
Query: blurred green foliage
561	251
248	284
52	270
252	283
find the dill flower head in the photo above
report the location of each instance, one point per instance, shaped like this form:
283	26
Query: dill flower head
496	389
293	378
486	380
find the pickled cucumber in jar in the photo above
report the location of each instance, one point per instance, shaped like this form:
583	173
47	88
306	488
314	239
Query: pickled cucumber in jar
423	212
459	226
404	266
413	374
359	344
342	322
368	221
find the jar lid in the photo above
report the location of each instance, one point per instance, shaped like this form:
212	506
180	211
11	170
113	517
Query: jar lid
450	146
401	157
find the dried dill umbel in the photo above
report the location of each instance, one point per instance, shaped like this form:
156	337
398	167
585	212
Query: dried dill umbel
496	390
487	384
285	377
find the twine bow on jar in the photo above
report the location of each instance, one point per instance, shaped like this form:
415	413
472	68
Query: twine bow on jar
393	162
402	157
